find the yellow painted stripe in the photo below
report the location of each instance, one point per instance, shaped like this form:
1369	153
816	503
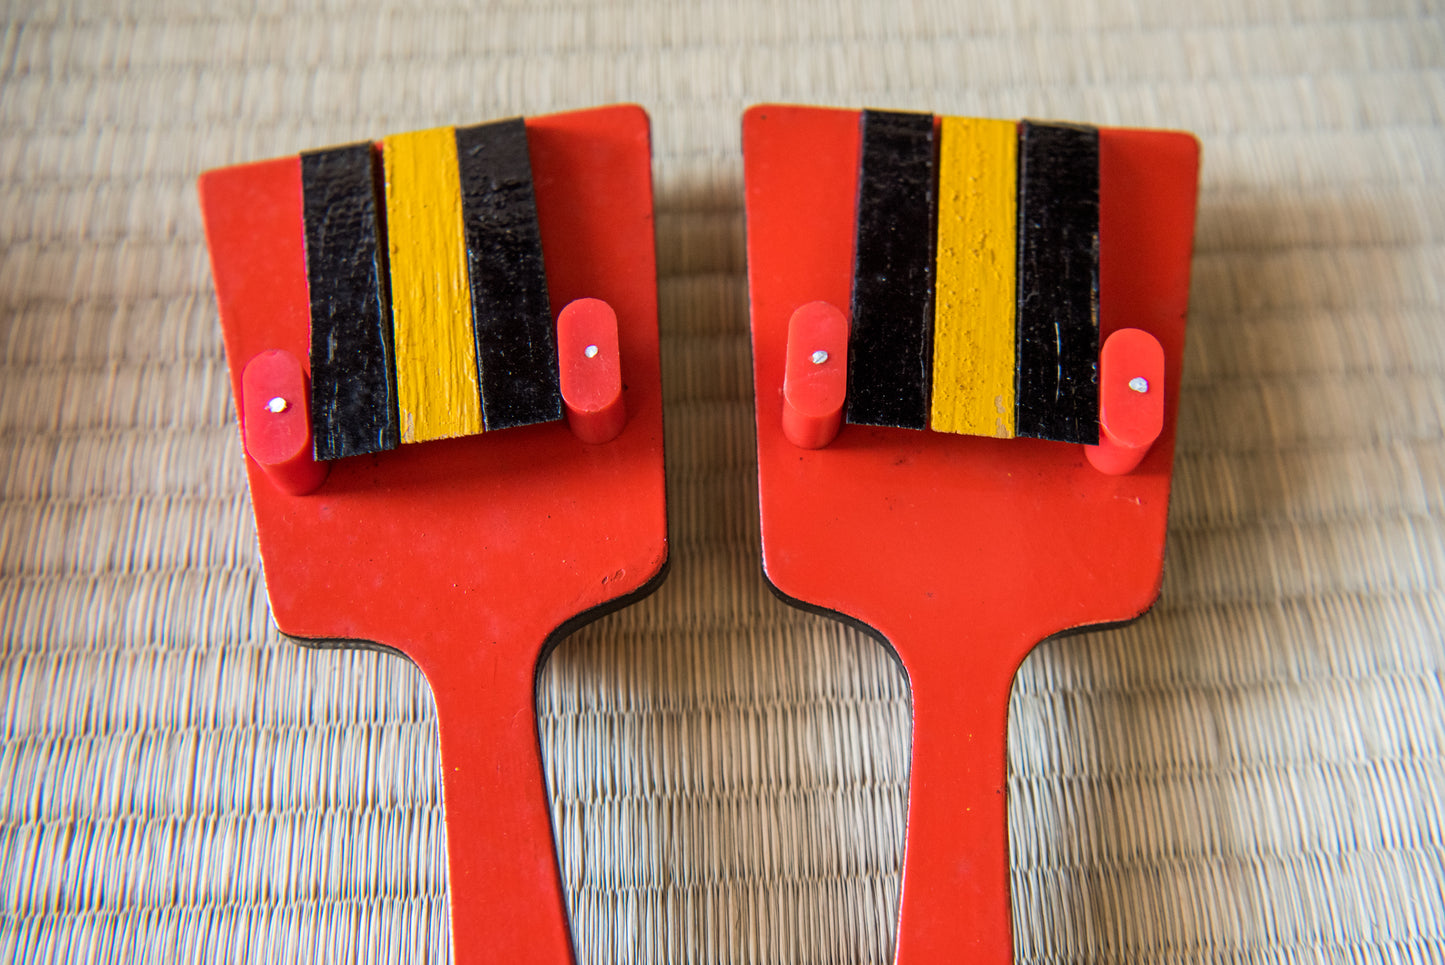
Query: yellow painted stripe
431	302
974	300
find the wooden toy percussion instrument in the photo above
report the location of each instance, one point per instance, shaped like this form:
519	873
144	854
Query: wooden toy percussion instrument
444	353
967	338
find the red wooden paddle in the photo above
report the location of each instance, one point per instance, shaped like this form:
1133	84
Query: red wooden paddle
960	552
471	556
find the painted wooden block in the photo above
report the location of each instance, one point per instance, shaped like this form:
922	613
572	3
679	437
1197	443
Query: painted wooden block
436	362
353	372
889	355
975	297
1058	286
516	348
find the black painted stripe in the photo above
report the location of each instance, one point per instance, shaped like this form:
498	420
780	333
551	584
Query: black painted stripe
1058	282
890	348
353	370
516	341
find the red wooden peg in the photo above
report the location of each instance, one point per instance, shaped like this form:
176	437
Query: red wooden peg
1131	401
815	379
276	422
591	370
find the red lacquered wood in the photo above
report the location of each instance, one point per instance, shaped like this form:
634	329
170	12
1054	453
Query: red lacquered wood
590	370
471	555
1131	400
276	421
815	376
961	552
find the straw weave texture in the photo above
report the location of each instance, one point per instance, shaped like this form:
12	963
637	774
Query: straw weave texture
1255	772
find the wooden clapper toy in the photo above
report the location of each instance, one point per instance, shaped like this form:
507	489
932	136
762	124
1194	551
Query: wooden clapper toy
444	352
967	338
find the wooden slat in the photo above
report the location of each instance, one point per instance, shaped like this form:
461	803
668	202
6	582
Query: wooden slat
516	346
436	364
353	374
889	356
1058	290
975	298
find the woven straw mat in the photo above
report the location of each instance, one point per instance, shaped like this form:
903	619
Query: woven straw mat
1253	772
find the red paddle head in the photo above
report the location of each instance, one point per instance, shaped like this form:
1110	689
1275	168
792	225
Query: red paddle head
469	555
961	552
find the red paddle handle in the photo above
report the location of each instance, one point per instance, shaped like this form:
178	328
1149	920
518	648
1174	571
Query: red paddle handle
507	902
955	897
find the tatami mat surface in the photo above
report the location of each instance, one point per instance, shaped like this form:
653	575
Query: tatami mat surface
1254	772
